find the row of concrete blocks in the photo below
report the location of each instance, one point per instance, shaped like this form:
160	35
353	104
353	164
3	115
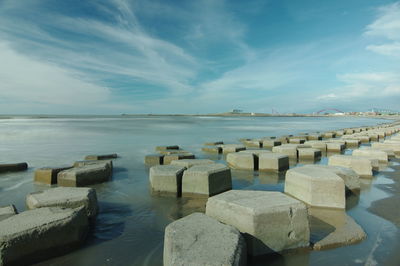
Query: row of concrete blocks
190	177
57	221
94	169
239	223
167	154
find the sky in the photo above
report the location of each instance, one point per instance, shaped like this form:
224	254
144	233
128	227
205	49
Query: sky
197	57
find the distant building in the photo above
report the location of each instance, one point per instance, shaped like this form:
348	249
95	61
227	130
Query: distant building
236	111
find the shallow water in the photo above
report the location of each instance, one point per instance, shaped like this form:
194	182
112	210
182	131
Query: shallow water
129	229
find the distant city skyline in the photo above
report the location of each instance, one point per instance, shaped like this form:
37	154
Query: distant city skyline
206	56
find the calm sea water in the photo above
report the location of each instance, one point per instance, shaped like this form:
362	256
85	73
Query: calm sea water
129	229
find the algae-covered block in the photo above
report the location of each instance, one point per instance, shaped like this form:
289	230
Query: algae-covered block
270	221
200	240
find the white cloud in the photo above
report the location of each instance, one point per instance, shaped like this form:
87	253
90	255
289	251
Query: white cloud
329	96
391	49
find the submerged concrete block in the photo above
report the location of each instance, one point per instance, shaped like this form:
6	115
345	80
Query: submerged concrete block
214	143
166	179
179	156
370	153
211	149
13	167
206	180
335	146
101	157
83	176
154	159
227	148
273	162
171	147
309	153
241	160
271	221
48	175
40	234
200	240
7	211
316	187
65	197
191	162
362	166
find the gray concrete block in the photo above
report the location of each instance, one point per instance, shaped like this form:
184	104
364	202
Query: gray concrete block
309	153
7	211
101	157
48	175
273	162
191	162
83	176
170	147
154	159
166	179
179	156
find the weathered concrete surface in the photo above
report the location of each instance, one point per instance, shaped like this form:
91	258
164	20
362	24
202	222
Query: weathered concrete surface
191	162
40	234
102	157
13	167
350	177
105	163
227	148
309	153
65	197
394	147
171	157
271	221
273	162
241	160
214	143
361	165
269	143
48	175
320	145
154	159
351	143
314	137
7	211
335	146
316	187
166	179
200	240
171	147
370	153
82	176
212	149
347	231
206	180
296	140
287	149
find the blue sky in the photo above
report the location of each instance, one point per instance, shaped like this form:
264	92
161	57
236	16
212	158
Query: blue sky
205	56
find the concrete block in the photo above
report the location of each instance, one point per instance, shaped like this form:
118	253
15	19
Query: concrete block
273	162
350	177
48	175
206	180
314	137
40	234
370	153
7	211
13	167
227	148
200	240
168	152
191	162
352	143
269	143
362	166
296	140
287	149
179	156
309	153
241	160
83	176
252	143
315	144
154	159
214	143
212	149
167	179
170	147
329	135
270	221
65	197
316	187
394	147
102	157
335	146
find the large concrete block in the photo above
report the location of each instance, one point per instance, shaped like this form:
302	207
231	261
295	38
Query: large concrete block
227	148
273	162
170	147
241	160
101	157
297	140
252	143
48	175
171	157
13	167
212	149
271	221
370	153
350	177
154	159
213	143
335	146
191	162
362	166
83	176
206	180
287	149
269	143
314	137
105	163
166	179
316	187
352	143
200	240
320	145
40	234
394	147
7	211
309	153
65	197
329	135
168	152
